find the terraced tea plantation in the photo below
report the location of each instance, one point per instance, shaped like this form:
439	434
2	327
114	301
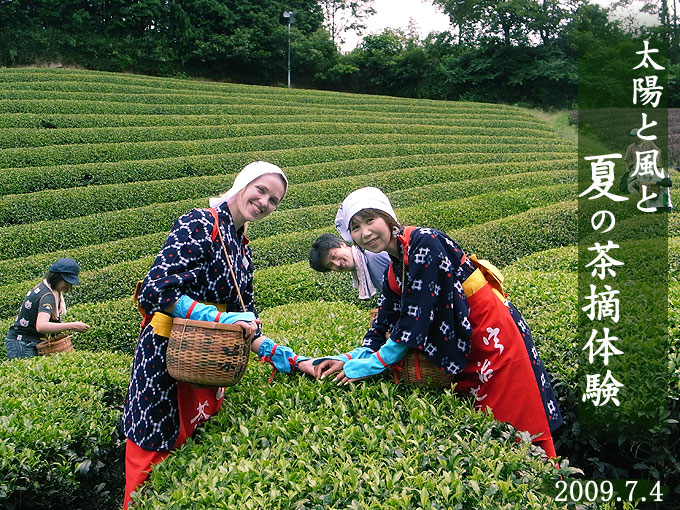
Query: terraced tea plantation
97	166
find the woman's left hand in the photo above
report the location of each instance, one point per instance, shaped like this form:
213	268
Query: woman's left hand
343	380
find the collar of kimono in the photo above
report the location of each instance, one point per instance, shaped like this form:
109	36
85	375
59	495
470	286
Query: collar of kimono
223	211
404	239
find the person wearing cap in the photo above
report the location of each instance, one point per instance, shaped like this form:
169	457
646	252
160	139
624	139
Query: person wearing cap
451	308
645	173
42	309
191	278
330	253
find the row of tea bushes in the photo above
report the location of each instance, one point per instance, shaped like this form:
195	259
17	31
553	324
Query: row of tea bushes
59	440
390	174
86	120
240	106
64	78
90	257
566	259
30	239
120	84
441	212
324	162
151	94
45	236
14	138
107	152
81	201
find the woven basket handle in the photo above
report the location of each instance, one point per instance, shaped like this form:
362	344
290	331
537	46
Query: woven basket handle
226	254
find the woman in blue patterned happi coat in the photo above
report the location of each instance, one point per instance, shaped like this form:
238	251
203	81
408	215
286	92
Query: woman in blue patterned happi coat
450	307
190	271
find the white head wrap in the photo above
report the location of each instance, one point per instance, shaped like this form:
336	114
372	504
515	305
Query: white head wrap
249	173
364	198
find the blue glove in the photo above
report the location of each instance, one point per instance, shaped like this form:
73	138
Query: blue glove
282	358
208	313
387	355
358	353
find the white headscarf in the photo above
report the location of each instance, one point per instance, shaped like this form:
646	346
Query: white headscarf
364	198
249	173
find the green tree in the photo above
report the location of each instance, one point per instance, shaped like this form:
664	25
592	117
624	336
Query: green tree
511	21
343	16
236	40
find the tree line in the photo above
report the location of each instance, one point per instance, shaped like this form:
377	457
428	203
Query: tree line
510	51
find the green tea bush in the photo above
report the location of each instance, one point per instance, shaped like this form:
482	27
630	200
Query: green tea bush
59	440
14	77
33	238
90	257
74	202
563	259
14	138
298	443
335	162
38	237
114	326
505	240
334	190
491	121
107	152
81	201
244	106
442	214
63	79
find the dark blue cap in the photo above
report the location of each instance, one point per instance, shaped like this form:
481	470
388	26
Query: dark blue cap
68	269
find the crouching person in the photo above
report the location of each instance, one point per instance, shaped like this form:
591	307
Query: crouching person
193	278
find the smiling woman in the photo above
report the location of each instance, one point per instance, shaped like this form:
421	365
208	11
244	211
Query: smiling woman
450	307
193	277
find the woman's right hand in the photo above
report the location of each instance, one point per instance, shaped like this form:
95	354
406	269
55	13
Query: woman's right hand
328	367
79	326
249	328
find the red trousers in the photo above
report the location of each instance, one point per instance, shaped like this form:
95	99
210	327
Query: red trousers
499	373
196	405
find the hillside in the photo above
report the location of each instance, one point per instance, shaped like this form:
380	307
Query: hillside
97	166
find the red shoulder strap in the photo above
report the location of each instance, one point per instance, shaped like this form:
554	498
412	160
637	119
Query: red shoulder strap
213	211
392	280
405	238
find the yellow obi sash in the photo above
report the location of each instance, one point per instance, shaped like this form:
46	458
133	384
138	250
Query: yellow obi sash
161	322
486	272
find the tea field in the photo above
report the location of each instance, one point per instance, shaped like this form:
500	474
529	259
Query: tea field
97	166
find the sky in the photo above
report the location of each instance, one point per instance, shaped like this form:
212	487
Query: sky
428	18
396	14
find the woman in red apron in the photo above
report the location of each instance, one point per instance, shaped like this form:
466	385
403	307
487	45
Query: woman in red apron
451	308
190	278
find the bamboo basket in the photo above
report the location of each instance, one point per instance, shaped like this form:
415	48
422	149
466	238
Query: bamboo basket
55	344
416	369
207	353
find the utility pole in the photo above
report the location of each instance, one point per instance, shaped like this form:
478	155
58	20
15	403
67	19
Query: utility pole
290	16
